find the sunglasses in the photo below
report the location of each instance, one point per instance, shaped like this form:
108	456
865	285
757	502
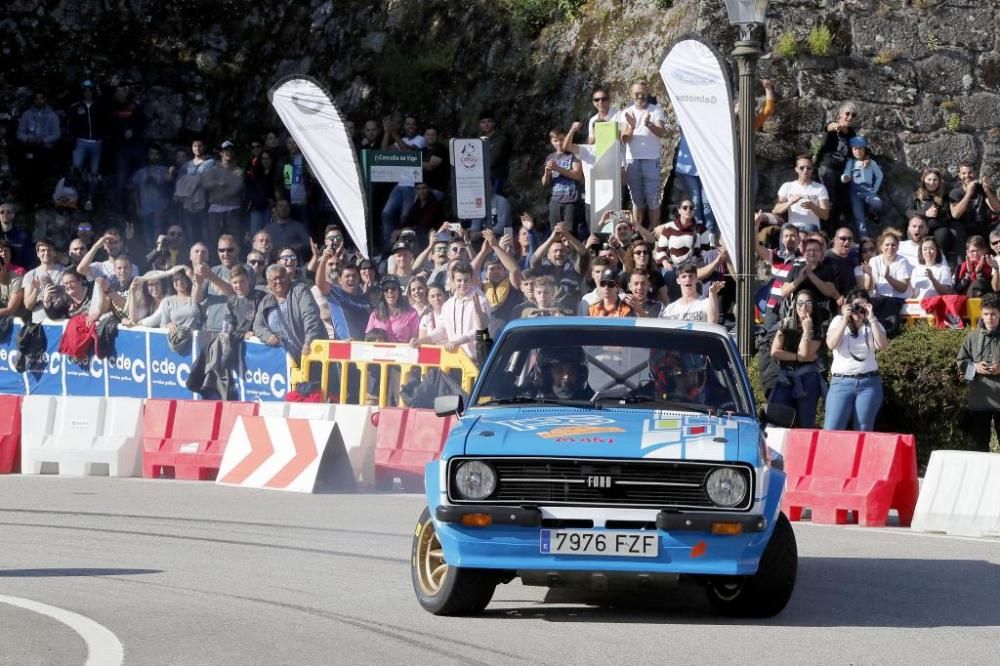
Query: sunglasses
226	250
802	304
288	257
600	99
334	239
609	283
256	262
454	249
995	242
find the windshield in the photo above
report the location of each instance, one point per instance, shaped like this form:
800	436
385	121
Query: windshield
637	367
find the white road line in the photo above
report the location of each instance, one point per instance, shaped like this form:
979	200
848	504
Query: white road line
103	647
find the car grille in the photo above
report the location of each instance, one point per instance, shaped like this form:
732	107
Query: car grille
586	482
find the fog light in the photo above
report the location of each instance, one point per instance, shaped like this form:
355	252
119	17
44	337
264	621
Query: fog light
477	520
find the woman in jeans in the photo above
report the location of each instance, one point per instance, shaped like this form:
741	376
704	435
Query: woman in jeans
796	348
855	392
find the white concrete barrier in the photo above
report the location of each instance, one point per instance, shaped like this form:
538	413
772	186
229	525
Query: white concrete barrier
960	495
77	436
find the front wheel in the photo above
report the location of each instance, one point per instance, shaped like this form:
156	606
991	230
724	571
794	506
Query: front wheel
441	589
765	593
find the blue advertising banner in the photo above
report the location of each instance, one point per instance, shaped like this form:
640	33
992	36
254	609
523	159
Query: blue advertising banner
143	366
45	376
11	382
263	373
126	370
168	370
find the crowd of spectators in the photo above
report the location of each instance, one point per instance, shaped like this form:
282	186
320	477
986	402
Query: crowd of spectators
240	239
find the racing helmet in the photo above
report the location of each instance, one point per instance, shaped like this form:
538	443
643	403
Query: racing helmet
564	371
678	375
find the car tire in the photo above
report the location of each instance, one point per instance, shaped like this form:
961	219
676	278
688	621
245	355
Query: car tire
765	593
443	589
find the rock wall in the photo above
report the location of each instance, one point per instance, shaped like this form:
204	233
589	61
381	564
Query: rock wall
926	73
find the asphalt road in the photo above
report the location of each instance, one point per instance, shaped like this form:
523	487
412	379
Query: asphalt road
190	573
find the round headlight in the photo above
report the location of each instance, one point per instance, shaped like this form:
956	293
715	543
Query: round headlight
726	486
475	480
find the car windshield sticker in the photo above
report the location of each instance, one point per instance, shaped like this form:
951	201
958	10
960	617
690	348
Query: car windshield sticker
539	422
576	431
689	438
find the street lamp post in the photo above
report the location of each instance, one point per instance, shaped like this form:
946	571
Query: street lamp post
746	14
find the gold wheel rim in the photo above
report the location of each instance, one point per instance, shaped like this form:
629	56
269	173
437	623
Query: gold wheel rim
431	567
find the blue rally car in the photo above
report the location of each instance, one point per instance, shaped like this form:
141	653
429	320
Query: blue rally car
606	453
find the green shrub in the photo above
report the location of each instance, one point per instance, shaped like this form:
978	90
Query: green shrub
820	40
787	45
953	122
924	394
888	55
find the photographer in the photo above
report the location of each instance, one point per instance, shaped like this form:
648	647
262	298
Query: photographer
979	362
855	386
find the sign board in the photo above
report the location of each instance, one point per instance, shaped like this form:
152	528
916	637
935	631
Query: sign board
143	366
606	174
393	166
470	175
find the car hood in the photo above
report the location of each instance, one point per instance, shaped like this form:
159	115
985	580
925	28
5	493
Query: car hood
610	433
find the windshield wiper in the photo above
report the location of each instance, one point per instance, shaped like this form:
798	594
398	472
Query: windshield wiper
525	399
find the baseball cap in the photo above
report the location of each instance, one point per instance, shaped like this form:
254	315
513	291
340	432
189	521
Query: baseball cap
227	145
401	245
389	282
859	142
364	263
608	275
88	84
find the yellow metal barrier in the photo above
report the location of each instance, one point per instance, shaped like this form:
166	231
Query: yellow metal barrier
344	363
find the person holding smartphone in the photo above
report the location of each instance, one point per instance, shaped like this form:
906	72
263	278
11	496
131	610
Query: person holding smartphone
979	362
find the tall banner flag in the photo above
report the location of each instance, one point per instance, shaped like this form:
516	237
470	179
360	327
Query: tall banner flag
697	82
604	190
319	130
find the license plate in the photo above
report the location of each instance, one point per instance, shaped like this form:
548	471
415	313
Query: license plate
610	543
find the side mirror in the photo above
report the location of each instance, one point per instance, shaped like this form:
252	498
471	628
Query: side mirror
446	405
782	416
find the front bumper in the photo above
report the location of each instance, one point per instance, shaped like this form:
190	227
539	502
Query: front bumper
667	521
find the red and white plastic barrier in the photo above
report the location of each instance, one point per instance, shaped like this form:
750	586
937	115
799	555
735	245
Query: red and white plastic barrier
295	455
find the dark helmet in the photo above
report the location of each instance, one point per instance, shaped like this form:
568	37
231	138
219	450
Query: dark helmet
574	378
678	375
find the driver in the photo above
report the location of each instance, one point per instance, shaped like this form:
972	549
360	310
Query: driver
564	373
678	376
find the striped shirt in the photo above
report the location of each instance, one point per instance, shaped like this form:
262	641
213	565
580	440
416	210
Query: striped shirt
681	245
781	266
